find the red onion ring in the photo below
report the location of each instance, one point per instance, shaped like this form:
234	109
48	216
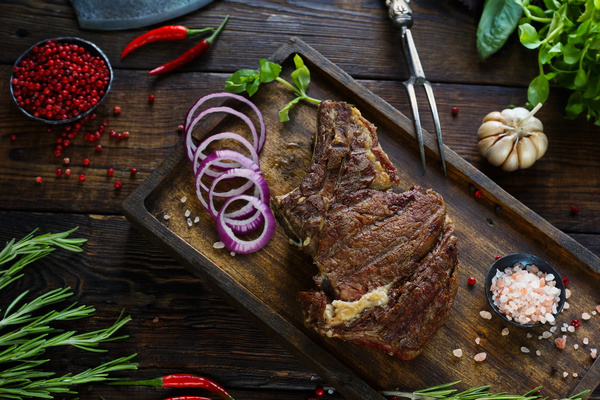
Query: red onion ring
199	156
191	147
217	156
189	116
256	178
237	245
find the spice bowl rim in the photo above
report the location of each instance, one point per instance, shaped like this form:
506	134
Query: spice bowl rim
89	46
526	259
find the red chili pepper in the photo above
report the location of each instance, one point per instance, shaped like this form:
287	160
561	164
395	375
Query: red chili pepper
183	380
188	398
171	32
189	55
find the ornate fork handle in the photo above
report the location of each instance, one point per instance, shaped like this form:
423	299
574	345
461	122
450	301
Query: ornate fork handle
400	13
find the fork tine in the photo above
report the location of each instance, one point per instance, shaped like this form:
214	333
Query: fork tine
436	121
412	96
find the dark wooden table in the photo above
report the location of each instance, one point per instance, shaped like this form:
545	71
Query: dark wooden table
179	324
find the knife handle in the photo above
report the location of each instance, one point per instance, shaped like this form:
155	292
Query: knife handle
400	13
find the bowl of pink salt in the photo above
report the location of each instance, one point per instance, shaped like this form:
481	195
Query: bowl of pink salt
525	290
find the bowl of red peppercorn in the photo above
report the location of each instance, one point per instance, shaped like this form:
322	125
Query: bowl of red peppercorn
60	80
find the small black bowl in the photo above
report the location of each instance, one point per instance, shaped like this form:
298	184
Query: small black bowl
524	259
90	47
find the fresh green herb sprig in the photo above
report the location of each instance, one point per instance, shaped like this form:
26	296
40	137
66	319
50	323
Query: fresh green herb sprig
26	329
566	35
249	80
447	392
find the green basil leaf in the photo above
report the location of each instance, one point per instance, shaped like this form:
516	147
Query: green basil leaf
284	113
552	4
538	90
575	105
529	36
581	79
301	75
238	82
571	54
269	71
498	21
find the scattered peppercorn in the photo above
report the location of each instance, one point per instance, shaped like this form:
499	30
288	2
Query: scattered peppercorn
13	137
574	210
575	323
320	391
66	161
86	161
133	171
117	110
39	179
99	147
454	110
151	98
118	185
565	281
68	171
180	128
59	172
497	257
110	172
471	280
478	194
81	178
125	135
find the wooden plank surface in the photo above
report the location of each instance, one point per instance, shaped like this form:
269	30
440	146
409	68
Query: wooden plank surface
123	267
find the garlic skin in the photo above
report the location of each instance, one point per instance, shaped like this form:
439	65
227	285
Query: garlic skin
512	139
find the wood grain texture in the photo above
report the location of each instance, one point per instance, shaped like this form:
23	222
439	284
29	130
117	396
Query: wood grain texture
181	324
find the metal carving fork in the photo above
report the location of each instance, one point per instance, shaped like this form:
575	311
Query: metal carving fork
401	15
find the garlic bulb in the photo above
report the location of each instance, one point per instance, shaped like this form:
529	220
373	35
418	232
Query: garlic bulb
512	139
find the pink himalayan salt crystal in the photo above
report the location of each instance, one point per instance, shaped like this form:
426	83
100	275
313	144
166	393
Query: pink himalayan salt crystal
525	295
593	353
479	357
457	352
560	342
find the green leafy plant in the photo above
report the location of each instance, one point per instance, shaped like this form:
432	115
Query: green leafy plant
26	330
448	392
566	35
249	80
499	20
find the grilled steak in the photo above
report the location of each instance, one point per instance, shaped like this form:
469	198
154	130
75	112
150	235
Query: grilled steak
388	262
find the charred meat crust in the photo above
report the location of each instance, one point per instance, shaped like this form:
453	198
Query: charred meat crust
389	260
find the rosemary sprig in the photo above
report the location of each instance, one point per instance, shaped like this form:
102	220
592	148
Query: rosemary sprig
26	330
446	392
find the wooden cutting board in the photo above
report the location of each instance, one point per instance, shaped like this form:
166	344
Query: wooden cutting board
489	222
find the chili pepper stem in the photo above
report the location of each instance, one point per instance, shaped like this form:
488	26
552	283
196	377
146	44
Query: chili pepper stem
211	38
192	32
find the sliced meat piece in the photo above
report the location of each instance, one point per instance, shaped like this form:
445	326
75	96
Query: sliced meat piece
388	262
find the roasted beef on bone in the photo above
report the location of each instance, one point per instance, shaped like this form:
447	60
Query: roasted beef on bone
388	262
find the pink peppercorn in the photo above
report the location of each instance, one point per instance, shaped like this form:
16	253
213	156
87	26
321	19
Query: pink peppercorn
86	161
81	177
39	179
151	98
133	171
110	172
116	110
118	185
454	110
99	147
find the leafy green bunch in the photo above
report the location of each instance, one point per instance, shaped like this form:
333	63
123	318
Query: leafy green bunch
26	330
566	35
249	80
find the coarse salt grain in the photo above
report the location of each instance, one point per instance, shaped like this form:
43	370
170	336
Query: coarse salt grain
575	375
477	340
546	335
188	213
166	217
565	374
505	332
196	220
457	352
485	314
575	346
560	342
525	294
567	293
189	222
218	245
184	199
571	329
598	308
524	349
585	316
586	340
593	353
538	353
479	357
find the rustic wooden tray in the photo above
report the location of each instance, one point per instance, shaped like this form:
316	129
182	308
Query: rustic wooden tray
263	285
